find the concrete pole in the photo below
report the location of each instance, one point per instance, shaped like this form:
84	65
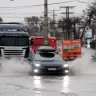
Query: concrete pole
54	22
46	20
66	35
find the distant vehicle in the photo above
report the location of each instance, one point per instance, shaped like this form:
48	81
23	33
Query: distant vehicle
14	41
39	41
46	60
93	44
87	43
88	35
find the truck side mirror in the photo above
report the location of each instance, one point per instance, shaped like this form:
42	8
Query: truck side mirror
31	42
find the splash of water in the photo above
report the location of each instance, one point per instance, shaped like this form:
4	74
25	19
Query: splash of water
14	67
84	64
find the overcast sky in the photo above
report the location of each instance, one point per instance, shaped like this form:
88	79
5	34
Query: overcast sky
5	12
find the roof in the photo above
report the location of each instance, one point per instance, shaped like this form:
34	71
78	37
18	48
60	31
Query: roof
42	37
11	23
52	37
14	33
37	37
19	27
46	49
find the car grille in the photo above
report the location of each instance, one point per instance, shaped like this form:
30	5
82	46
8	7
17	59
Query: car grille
51	65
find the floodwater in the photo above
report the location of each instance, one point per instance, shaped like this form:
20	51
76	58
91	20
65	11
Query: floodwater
15	79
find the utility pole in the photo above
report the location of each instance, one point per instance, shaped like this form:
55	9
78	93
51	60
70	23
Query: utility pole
54	28
74	24
46	21
54	22
68	33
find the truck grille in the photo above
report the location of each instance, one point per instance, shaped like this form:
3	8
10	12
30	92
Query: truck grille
13	52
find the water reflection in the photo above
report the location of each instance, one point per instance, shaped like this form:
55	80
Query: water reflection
66	84
37	81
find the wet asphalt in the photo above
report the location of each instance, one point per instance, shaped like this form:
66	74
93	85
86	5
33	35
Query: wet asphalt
81	80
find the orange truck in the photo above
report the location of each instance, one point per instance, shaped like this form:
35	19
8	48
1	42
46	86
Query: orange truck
69	49
39	41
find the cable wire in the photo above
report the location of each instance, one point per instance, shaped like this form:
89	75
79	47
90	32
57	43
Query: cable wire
20	7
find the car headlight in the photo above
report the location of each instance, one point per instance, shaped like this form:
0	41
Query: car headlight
36	71
65	65
37	65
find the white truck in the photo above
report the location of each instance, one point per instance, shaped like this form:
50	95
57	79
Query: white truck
14	40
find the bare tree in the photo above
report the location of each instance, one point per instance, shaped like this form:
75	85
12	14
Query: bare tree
90	16
1	20
33	23
71	25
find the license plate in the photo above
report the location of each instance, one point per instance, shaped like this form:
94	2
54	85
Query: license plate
52	69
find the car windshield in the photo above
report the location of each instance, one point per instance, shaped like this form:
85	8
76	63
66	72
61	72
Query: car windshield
48	57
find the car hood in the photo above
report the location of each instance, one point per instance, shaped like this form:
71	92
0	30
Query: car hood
51	63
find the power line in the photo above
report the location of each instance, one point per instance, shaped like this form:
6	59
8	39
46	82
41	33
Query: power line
21	13
81	1
33	13
20	7
38	5
11	17
26	16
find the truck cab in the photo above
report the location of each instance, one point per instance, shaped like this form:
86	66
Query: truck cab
39	41
14	40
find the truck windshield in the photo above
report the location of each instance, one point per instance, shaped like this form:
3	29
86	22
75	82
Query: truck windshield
14	41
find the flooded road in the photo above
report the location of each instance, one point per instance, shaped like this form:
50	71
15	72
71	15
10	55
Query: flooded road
15	79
